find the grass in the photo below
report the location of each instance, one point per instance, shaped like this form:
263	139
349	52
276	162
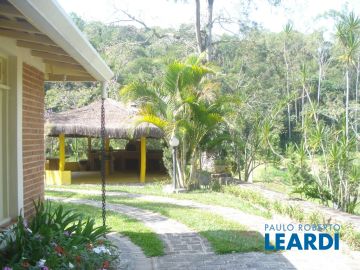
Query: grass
138	233
202	196
244	200
273	178
348	234
224	236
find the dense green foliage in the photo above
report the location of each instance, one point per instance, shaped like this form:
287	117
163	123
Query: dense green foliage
55	239
294	99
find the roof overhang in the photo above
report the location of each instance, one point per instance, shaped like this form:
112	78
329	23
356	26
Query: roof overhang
45	28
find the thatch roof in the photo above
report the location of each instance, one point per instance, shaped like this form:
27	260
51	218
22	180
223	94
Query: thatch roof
121	122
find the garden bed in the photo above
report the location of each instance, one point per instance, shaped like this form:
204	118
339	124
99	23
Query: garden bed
56	238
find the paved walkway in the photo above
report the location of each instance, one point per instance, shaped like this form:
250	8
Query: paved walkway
178	238
185	249
252	221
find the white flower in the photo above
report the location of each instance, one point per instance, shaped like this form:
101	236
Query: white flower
101	249
71	266
41	263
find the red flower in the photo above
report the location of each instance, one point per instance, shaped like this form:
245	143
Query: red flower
78	259
59	250
25	264
106	264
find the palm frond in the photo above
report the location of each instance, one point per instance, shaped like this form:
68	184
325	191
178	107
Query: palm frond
172	76
155	120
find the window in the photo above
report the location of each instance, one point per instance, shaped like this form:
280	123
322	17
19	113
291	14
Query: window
3	73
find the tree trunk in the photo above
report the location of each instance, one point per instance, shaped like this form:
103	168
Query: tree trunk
347	104
251	172
296	109
209	30
198	27
193	169
302	106
357	100
180	177
238	160
246	176
319	83
287	91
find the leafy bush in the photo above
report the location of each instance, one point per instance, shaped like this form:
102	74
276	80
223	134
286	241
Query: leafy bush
55	239
350	236
215	186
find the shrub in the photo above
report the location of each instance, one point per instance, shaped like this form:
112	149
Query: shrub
248	195
56	239
215	186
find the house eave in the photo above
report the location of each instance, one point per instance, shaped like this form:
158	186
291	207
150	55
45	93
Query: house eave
49	17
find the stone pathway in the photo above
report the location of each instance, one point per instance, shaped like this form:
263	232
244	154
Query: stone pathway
178	238
252	221
185	249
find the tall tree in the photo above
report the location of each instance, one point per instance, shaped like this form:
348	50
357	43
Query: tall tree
347	32
287	31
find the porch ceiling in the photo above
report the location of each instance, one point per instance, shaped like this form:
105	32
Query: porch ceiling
59	65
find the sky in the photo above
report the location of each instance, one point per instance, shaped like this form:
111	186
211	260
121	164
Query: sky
170	13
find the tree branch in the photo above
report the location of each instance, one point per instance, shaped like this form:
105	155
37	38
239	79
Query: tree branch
147	28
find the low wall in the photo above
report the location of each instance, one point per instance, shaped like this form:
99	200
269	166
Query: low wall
57	178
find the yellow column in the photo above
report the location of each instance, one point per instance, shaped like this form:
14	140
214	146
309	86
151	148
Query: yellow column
142	159
107	151
62	152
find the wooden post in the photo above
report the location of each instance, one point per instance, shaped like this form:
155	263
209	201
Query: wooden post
62	152
89	146
107	161
142	159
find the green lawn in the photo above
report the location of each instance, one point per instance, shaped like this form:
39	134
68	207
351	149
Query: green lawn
138	233
202	196
224	236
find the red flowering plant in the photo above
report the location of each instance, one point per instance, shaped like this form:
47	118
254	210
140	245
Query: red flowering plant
56	239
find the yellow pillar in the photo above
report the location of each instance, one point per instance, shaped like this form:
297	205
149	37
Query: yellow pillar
107	161
142	159
62	152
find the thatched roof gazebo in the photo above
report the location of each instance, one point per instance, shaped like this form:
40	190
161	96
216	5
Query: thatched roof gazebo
121	122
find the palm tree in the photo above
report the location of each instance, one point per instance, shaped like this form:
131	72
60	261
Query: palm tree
347	32
185	104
